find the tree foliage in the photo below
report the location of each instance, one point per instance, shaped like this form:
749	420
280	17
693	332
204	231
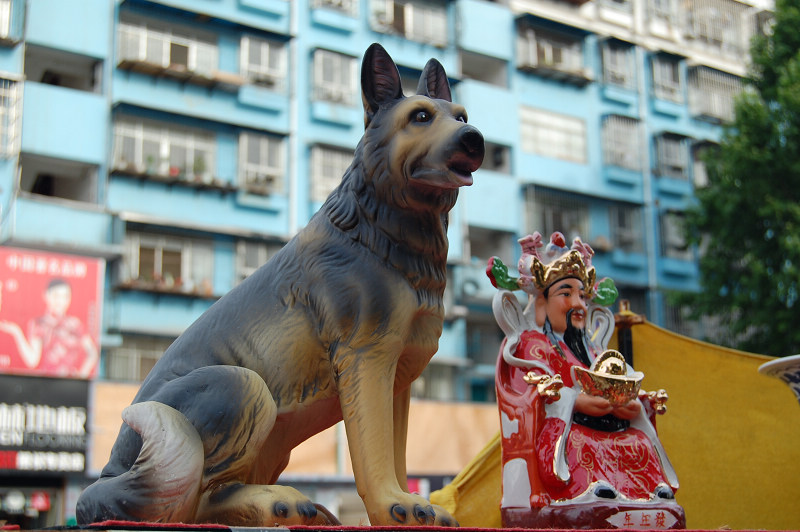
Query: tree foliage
747	220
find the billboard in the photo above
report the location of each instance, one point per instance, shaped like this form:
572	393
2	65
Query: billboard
50	312
43	425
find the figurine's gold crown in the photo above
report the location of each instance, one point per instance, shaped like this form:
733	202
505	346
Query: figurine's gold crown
568	265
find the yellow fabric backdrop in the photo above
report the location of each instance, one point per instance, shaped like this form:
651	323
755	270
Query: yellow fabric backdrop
732	434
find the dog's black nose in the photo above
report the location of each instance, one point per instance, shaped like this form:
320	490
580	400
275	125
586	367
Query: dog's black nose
472	141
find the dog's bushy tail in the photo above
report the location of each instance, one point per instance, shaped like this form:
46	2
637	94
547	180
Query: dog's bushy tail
168	470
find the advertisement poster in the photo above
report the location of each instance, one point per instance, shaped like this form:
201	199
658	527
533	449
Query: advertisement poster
50	311
43	425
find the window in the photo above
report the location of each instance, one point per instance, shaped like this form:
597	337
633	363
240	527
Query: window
539	49
626	227
618	66
672	156
667	79
349	7
416	20
5	19
328	166
135	358
716	23
9	118
497	159
334	77
663	10
263	61
169	263
150	147
261	163
166	47
621	142
549	211
437	382
483	339
711	94
251	255
552	135
673	243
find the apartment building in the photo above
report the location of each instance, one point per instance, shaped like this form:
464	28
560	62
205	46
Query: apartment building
168	148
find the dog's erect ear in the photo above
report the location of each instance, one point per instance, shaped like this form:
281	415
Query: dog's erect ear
433	82
380	81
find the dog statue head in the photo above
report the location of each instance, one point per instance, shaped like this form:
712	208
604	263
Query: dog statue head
433	149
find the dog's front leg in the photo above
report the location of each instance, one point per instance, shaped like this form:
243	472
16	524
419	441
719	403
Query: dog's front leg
401	405
365	381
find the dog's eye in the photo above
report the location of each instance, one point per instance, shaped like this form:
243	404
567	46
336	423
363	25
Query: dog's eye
462	118
422	116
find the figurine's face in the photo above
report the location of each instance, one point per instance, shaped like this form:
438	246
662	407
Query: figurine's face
563	296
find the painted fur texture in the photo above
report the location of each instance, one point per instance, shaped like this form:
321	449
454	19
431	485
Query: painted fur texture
335	326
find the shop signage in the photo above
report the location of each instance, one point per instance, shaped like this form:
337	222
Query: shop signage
43	425
50	311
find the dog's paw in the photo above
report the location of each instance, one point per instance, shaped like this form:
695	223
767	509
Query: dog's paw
262	506
413	510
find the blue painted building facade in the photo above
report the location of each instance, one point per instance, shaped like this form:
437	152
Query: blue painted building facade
184	141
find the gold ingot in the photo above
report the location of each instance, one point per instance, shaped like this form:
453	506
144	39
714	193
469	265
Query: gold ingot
609	378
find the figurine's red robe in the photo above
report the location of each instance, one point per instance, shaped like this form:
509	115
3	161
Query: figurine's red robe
626	459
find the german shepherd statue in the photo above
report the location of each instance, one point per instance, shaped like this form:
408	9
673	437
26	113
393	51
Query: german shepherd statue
335	326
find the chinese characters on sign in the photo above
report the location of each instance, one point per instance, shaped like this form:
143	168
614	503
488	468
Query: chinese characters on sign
43	424
50	307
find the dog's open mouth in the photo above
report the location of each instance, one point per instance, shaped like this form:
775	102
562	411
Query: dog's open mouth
461	166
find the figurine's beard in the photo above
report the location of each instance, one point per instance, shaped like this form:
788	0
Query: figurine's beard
576	341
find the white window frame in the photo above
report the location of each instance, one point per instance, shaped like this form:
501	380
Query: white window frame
621	142
251	255
152	43
328	165
626	227
552	134
618	65
261	172
9	118
416	20
270	68
673	243
667	79
5	18
672	156
198	146
196	263
334	77
543	49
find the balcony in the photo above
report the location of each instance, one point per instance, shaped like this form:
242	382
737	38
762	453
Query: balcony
64	123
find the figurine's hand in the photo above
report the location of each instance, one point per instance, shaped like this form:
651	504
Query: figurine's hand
592	405
628	411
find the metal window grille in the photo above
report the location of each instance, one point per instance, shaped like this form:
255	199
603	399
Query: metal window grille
540	48
549	211
711	93
553	135
626	227
9	118
334	77
166	47
672	156
667	79
328	165
673	243
261	163
135	358
5	19
415	20
262	61
621	142
618	65
145	146
349	7
716	23
169	262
